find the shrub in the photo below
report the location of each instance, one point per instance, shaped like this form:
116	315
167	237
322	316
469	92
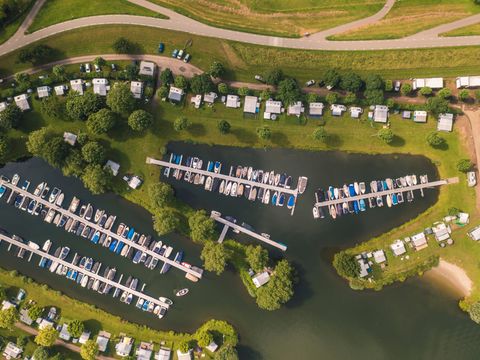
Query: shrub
386	135
223	126
435	140
181	123
464	165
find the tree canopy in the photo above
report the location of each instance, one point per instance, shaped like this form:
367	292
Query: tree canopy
223	126
435	140
140	120
222	88
40	353
165	221
46	337
120	99
386	135
181	82
204	338
55	151
101	122
332	78
53	107
264	132
160	194
288	91
89	350
226	352
74	163
374	96
202	227
346	265
216	69
279	289
215	257
257	257
80	107
464	165
474	312
351	82
10	117
8	317
97	179
274	76
166	76
75	328
37	141
437	105
93	152
34	312
35	54
181	123
374	82
123	46
201	84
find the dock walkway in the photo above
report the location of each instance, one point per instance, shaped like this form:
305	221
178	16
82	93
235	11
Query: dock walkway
101	229
228	224
389	192
83	271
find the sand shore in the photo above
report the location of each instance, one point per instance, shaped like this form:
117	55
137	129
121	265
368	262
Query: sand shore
453	276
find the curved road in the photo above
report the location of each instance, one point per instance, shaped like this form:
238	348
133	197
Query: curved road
177	22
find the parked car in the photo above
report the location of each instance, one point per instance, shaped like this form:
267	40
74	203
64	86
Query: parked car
310	82
114	67
82	68
259	78
161	48
472	178
180	55
175	53
87	68
397	85
97	68
187	58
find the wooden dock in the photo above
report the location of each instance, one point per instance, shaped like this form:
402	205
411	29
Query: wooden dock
95	226
114	284
388	192
228	224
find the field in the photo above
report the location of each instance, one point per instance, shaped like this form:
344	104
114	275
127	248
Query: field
57	11
244	61
408	17
290	18
464	31
13	26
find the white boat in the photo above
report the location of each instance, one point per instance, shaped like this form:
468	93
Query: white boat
15	179
208	183
233	191
50	216
222	187
60	199
249	173
271	178
389	200
357	188
362	187
345	190
33	245
266	197
408	179
333	211
228	188
39	189
389	183
182	292
166	300
414	180
46	247
316	215
84	281
53	196
335	193
373	186
74	204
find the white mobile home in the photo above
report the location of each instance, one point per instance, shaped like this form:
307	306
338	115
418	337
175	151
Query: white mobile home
296	109
420	116
445	122
233	101
467	81
147	68
136	88
22	102
315	109
100	86
43	91
272	109
251	105
380	114
77	85
432	83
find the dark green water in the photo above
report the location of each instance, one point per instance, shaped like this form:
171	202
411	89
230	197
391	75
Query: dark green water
326	319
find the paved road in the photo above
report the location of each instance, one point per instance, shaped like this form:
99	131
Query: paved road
182	23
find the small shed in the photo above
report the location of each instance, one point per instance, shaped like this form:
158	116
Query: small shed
102	340
272	109
196	101
210	97
43	91
315	109
445	122
355	112
136	88
467	81
3	106
164	353
113	166
7	305
22	102
135	182
420	116
233	101
419	241
70	138
12	351
100	86
380	114
147	68
406	114
251	105
77	85
60	90
398	247
261	279
175	94
432	83
45	323
337	110
379	256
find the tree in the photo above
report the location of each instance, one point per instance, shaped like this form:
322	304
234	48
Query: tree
279	289
165	221
181	82
75	328
266	94
4	146
101	122
184	346
243	91
406	89
264	132
181	123
55	152
162	92
386	135
388	85
123	46
425	91
40	353
351	82
435	140
312	97
202	227
320	134
274	76
346	265
204	338
74	164
120	99
374	82
374	97
34	55
226	352
464	95
331	98
99	61
201	84
332	78
288	91
350	98
160	194
53	107
445	93
58	72
257	257
22	341
216	69
214	256
10	117
140	120
80	107
34	312
37	141
223	126
222	88
475	312
437	105
464	165
131	70
97	179
89	350
46	337
8	317
93	152
166	77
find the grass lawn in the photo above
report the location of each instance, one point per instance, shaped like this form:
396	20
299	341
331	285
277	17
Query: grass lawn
57	11
408	17
12	27
464	31
247	60
289	18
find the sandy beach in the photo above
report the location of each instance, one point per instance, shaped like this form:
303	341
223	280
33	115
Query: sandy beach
453	276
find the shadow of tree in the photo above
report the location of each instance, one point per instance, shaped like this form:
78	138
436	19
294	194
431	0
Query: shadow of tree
397	141
197	129
279	138
244	135
333	141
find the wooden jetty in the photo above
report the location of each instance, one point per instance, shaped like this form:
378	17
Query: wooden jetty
95	226
388	192
228	224
83	271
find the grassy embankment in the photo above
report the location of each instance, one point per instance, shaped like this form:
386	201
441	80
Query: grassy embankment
248	60
471	30
57	11
408	17
290	18
14	24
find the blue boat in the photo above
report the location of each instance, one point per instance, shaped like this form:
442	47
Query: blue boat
113	245
145	305
130	233
137	256
31	206
69	273
119	248
89	264
363	207
394	199
18	200
79	278
351	190
179	257
2	190
48	263
74	275
82	262
210	166
165	268
331	192
355	207
217	167
42	262
384	185
274	198
281	199
125	232
291	202
96	237
283	177
178	160
173	158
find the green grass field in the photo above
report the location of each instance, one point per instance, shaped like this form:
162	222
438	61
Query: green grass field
290	18
57	11
408	17
12	27
244	61
464	31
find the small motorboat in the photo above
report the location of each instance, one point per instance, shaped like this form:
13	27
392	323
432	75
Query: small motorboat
45	191
228	188
74	205
222	187
379	201
414	180
408	179
182	292
400	198
60	199
333	212
373	186
274	198
389	201
281	199
218	167
362	187
38	190
291	202
249	173
316	215
233	191
25	185
271	178
240	189
362	205
15	179
266	197
53	195
394	199
357	188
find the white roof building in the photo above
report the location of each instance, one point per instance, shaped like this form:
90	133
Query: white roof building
380	114
144	351
233	101
379	256
261	279
100	86
70	138
467	81
315	109
212	347
398	247
7	305
113	166
210	97
147	68
337	109
45	323
25	318
77	85
43	91
175	94
12	351
475	233
445	122
196	101
3	106
419	241
64	334
136	87
251	105
441	232
355	112
420	116
184	356
60	90
124	347
84	337
102	340
296	109
273	107
22	102
135	182
364	267
432	83
163	354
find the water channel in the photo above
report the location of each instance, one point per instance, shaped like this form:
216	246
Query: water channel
326	319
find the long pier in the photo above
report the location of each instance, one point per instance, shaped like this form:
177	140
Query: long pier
388	192
95	226
228	224
83	271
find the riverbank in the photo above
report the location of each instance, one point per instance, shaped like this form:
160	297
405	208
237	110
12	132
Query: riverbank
453	276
